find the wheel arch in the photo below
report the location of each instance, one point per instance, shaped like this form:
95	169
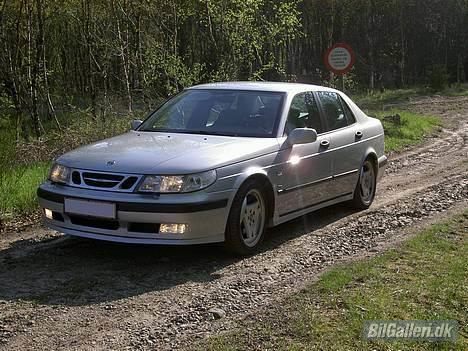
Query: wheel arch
372	155
261	176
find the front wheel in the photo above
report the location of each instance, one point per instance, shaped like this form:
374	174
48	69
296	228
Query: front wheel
247	220
365	190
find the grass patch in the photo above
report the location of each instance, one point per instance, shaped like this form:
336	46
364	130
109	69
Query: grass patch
18	183
457	90
423	279
24	165
410	131
380	100
18	188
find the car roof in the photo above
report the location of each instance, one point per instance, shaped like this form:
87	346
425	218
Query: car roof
263	86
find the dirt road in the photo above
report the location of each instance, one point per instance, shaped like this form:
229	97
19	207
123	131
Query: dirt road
65	293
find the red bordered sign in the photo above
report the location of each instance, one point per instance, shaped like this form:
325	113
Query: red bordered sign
340	58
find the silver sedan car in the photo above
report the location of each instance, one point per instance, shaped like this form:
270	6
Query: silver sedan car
219	163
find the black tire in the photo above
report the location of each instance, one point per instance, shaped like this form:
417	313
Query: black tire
235	235
363	199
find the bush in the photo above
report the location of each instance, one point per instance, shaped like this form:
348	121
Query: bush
438	78
404	128
24	165
81	130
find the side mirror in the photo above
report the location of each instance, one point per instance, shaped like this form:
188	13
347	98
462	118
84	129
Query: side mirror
302	136
136	123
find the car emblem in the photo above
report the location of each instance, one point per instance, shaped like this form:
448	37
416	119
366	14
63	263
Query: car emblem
111	163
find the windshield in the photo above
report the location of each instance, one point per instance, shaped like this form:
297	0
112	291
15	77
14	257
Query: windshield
218	112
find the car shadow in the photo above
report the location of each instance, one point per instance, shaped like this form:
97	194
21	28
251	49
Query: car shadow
73	271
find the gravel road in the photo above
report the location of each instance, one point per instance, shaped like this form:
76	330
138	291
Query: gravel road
60	293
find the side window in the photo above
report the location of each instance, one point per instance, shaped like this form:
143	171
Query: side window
349	114
303	113
334	112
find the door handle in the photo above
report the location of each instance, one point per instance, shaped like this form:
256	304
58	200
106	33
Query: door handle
325	143
359	134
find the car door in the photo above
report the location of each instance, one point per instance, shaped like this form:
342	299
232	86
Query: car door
307	170
345	147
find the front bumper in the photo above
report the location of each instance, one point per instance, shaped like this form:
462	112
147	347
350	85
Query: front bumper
383	162
138	216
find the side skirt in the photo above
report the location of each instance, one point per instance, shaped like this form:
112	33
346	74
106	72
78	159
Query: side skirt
279	219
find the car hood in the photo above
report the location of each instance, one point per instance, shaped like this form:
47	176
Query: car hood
166	153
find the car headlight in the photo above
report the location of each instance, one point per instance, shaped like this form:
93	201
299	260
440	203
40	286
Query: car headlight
177	184
59	173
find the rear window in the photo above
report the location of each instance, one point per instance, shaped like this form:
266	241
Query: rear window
333	109
349	113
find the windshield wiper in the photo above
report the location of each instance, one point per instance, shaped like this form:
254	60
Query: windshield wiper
188	131
208	132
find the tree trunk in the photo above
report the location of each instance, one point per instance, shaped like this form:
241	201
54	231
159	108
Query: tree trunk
460	69
125	64
402	62
42	51
32	77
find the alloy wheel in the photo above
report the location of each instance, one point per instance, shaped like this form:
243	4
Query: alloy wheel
367	183
252	217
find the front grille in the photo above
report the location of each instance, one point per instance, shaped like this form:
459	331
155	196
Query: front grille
94	222
57	216
76	177
149	228
128	183
104	181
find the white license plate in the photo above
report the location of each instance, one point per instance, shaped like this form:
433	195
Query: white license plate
90	208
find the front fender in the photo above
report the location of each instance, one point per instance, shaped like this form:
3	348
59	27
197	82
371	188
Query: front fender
250	172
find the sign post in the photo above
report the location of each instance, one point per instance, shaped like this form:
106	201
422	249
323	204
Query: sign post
339	59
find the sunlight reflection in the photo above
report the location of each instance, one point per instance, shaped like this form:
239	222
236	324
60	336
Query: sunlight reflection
294	160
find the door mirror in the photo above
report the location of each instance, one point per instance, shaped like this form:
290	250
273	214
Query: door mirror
136	123
302	136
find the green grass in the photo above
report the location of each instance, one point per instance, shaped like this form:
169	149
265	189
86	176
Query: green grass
423	279
18	183
380	100
19	178
457	90
18	188
411	131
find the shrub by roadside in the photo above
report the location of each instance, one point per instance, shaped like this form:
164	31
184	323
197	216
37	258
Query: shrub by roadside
409	129
81	131
24	165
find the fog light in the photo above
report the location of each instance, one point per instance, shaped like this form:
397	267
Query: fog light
172	228
48	213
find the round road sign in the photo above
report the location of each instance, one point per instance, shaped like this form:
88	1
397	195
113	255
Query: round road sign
340	58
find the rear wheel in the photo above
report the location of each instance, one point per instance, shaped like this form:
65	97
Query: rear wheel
247	220
365	190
